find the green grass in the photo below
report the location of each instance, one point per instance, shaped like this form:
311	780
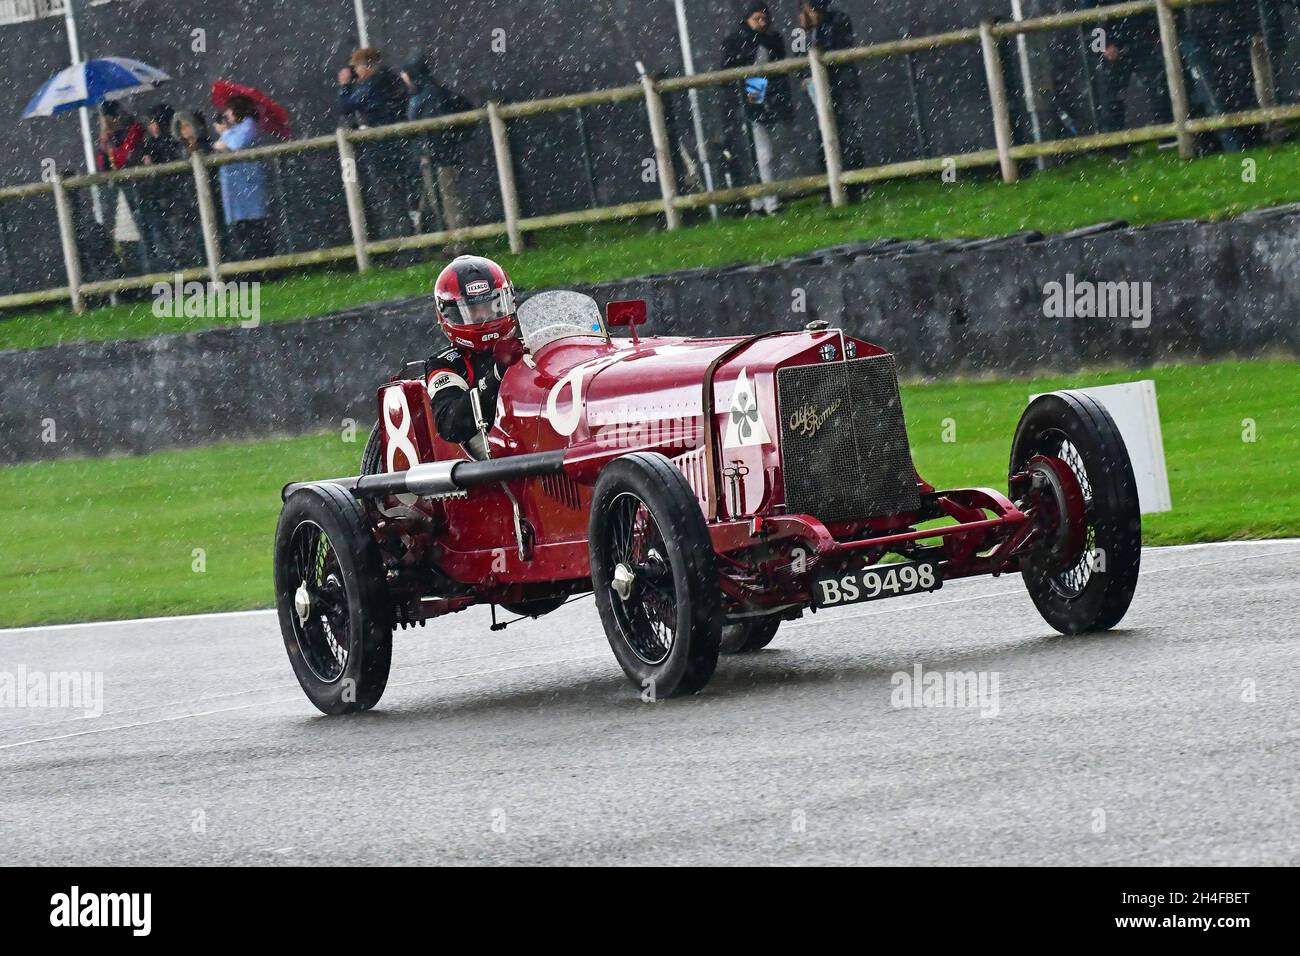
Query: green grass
113	538
1151	187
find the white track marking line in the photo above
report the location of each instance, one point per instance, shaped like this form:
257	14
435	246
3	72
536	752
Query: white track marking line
1010	592
218	615
284	700
208	616
206	698
569	660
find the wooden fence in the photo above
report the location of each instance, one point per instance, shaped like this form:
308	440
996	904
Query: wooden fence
833	180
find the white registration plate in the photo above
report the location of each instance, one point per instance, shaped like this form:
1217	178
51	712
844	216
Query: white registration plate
874	583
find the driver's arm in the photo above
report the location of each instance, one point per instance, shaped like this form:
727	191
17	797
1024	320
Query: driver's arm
453	410
449	388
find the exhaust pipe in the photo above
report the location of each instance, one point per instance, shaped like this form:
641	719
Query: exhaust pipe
443	479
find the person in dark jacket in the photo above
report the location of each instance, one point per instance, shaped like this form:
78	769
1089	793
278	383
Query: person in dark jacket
440	155
762	102
1130	47
1215	42
829	30
371	94
369	91
161	198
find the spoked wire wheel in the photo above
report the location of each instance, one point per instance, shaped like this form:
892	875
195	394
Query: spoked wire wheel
646	607
335	613
320	619
654	575
1091	588
1073	580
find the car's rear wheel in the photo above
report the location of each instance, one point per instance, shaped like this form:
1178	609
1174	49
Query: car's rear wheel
749	636
329	596
655	576
372	456
1088	587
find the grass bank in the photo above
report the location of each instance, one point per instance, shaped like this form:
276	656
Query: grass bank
127	537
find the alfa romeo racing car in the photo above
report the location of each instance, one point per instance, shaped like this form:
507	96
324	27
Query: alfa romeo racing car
703	490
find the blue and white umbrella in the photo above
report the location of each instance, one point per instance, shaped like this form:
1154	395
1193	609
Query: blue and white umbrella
91	83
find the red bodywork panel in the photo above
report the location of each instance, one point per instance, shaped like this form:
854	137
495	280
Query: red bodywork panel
597	399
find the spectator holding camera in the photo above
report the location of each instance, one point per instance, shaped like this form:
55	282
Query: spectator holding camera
763	102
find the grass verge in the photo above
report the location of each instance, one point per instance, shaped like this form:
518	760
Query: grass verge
122	537
1150	187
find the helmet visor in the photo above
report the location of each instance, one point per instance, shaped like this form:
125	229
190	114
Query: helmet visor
475	310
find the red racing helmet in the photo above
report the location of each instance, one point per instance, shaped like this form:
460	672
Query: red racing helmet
475	302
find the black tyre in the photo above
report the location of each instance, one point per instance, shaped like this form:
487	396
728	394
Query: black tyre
749	636
1090	590
655	575
329	594
372	457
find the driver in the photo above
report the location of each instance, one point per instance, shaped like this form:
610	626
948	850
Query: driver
475	301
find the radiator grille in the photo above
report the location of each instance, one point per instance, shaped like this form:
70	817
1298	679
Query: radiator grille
844	449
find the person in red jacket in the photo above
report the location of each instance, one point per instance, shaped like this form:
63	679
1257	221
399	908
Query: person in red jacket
121	145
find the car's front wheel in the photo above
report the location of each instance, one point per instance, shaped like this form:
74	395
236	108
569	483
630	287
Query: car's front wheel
329	595
654	572
1068	443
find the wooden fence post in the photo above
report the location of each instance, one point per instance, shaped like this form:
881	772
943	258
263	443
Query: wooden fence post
654	107
998	100
506	176
1174	77
829	128
207	217
356	204
68	239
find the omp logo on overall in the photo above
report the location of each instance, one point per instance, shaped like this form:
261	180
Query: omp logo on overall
77	909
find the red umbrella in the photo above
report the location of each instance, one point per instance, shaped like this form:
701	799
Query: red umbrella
271	116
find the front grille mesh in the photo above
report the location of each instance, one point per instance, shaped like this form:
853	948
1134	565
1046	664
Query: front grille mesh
844	448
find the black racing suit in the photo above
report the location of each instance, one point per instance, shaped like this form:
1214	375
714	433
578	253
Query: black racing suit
452	374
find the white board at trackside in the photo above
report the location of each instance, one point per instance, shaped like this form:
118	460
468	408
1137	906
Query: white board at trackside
1133	406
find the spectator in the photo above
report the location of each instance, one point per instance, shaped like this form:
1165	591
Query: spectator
121	138
1278	32
1131	47
764	101
1215	43
243	185
440	154
161	197
370	91
190	129
372	95
830	30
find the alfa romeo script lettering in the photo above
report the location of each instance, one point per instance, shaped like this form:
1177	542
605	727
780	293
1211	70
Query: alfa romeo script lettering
807	421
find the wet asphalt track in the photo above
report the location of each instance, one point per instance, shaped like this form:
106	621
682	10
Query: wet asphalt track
529	747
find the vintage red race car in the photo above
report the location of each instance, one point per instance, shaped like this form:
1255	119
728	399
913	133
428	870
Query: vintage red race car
704	490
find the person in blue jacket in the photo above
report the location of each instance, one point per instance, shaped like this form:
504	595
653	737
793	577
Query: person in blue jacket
243	185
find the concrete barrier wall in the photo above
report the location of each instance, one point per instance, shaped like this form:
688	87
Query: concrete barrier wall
944	308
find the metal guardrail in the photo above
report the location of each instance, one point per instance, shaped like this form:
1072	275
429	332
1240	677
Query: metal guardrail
496	115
